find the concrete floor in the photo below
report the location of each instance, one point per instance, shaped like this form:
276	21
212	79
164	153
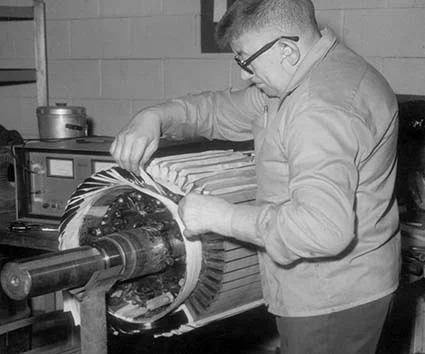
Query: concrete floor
399	328
252	332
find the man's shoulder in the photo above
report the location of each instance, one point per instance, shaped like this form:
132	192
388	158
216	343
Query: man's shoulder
344	79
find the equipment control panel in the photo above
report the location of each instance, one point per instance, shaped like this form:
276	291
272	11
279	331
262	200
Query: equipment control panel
49	171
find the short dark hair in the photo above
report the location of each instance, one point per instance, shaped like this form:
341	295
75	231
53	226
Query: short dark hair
292	17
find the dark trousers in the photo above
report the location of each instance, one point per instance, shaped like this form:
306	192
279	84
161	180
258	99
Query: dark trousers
353	331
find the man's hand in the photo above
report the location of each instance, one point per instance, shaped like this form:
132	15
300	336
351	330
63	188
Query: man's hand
202	213
137	141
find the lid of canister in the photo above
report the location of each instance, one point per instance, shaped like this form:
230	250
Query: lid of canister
61	109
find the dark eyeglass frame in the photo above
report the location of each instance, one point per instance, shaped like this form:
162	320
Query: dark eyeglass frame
245	63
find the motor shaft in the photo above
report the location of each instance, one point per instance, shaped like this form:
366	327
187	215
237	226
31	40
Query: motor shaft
138	252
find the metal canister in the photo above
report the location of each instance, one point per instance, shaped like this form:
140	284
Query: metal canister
61	121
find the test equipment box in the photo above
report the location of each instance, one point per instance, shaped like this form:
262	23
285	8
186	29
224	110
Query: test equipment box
48	172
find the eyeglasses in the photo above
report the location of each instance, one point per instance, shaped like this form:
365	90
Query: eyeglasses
245	63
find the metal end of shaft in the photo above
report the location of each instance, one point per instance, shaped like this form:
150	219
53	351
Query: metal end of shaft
15	281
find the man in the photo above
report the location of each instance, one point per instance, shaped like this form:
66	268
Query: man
324	123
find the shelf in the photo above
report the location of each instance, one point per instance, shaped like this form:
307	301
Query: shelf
36	13
12	13
10	76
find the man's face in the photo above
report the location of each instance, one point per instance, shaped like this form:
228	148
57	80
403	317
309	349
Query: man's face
270	72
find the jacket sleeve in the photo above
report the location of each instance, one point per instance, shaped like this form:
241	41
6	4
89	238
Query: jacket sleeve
318	220
225	115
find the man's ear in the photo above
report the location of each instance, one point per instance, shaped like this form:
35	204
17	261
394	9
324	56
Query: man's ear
290	52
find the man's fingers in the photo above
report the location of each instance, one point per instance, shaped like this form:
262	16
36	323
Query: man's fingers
150	149
180	208
135	154
113	147
116	150
128	151
188	234
189	212
125	148
135	144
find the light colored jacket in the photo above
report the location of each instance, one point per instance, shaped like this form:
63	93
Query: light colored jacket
326	168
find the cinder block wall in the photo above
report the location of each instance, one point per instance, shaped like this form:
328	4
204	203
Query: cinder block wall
116	57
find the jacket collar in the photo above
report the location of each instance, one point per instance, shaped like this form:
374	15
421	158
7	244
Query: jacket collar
312	58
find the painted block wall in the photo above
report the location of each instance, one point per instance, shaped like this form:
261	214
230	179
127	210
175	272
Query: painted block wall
116	57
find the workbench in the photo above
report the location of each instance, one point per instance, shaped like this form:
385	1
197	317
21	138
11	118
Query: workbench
33	240
252	332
